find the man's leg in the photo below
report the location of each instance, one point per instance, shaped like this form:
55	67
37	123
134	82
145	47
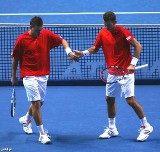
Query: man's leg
37	115
111	130
26	121
136	106
146	128
36	112
111	107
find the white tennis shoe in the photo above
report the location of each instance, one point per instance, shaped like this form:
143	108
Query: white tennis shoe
44	138
144	132
109	132
27	126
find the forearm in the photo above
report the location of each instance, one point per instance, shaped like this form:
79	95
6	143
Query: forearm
69	52
137	50
91	50
14	67
66	46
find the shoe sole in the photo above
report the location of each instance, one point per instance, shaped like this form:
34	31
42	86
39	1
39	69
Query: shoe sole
108	137
48	142
104	137
28	133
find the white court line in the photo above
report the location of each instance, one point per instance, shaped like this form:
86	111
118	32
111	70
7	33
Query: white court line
27	24
78	13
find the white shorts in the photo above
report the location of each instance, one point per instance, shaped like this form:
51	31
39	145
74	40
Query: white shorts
35	87
125	86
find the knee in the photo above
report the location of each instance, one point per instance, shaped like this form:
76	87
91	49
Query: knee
131	101
110	100
36	104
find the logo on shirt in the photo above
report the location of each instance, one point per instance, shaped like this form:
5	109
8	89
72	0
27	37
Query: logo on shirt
128	38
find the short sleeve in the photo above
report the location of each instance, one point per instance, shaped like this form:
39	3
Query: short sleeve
128	34
54	39
16	52
97	42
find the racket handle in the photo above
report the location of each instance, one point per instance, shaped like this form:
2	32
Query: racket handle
141	66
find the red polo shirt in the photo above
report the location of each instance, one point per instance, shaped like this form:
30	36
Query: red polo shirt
115	46
34	53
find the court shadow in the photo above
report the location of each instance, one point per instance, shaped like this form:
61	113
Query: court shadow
11	136
150	140
8	136
73	139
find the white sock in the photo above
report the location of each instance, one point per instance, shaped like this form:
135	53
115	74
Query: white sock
112	122
40	129
29	117
144	122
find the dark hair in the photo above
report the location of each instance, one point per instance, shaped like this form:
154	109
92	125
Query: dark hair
109	16
36	21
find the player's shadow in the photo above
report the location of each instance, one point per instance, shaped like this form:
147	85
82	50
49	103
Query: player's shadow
11	136
73	139
8	136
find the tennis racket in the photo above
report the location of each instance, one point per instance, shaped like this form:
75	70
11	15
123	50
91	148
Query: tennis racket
116	71
13	102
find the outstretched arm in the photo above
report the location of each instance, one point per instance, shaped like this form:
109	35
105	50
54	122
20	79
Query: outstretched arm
91	50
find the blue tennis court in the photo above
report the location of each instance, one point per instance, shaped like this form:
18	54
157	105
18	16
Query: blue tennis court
151	7
75	116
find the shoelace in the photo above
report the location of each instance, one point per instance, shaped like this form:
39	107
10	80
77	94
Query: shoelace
141	129
28	122
144	130
107	129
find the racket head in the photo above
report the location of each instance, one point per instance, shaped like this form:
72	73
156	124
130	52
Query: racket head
113	70
13	102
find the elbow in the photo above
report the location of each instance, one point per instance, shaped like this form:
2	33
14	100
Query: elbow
141	47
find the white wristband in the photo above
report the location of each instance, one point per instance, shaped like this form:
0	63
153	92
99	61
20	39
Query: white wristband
68	50
86	53
134	61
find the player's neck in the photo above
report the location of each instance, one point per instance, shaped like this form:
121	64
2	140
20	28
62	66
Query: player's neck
30	33
113	30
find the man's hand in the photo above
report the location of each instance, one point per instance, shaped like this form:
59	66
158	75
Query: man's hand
131	68
73	56
14	81
78	53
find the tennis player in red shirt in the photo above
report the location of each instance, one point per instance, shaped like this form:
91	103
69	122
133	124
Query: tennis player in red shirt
115	42
32	53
